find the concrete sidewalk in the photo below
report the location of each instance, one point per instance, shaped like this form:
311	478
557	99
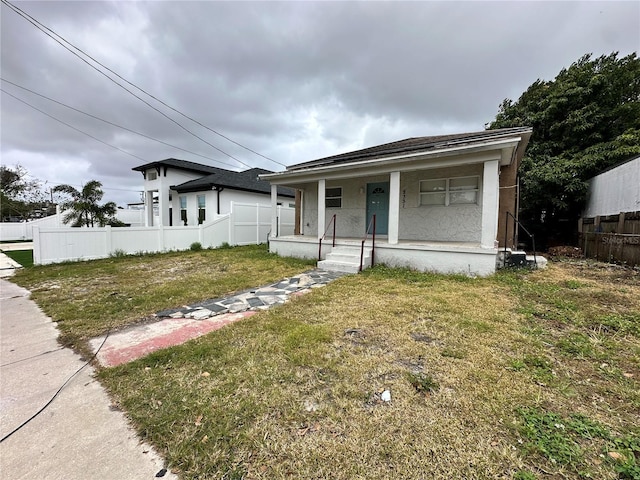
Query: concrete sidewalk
8	266
79	435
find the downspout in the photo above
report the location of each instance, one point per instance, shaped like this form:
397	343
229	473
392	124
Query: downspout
218	189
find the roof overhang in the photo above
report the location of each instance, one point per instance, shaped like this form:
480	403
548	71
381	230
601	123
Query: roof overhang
506	150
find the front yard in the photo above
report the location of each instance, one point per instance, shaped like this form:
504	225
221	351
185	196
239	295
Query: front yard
521	375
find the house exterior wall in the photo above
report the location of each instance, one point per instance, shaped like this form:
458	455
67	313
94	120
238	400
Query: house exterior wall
615	191
161	184
471	260
227	196
507	203
453	223
237	196
211	202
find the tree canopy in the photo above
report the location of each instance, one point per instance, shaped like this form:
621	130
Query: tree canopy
82	206
21	196
585	120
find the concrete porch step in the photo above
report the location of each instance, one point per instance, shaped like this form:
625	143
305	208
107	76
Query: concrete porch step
332	266
346	259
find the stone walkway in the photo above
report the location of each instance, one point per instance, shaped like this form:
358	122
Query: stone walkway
179	325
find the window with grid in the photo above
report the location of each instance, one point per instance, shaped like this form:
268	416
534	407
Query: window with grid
450	191
333	197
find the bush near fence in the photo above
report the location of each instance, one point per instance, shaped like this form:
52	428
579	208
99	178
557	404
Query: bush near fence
246	224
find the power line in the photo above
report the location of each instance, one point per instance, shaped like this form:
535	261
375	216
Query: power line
42	28
51	34
114	124
72	127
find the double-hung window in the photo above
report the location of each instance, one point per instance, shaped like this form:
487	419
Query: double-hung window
333	197
201	209
183	210
450	191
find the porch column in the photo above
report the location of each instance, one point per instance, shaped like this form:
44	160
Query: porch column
490	203
163	209
321	211
394	207
274	211
148	208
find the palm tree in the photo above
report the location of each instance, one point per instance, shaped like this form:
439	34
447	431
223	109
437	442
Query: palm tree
82	208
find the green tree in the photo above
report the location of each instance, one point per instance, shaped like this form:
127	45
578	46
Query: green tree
82	206
20	195
584	121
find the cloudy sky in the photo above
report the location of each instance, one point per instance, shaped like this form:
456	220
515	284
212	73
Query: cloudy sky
293	81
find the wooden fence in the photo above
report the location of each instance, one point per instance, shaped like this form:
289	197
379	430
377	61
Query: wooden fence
612	238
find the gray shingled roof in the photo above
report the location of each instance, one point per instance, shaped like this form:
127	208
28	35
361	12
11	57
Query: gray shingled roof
247	180
412	145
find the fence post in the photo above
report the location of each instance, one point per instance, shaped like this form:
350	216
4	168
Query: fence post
108	240
257	223
232	226
161	238
37	255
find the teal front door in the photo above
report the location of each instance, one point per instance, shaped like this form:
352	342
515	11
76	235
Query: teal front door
378	205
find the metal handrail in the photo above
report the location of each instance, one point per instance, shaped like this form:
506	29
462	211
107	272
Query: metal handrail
333	220
373	242
531	236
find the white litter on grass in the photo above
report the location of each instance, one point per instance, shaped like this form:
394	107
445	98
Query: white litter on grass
385	396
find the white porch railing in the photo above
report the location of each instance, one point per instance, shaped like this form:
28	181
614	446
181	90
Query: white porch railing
246	224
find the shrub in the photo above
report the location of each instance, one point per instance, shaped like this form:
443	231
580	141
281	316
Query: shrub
195	247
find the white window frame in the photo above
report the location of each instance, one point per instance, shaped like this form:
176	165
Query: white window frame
203	208
328	197
447	191
183	209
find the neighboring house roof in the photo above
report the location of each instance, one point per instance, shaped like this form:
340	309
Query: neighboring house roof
179	164
247	181
415	144
217	177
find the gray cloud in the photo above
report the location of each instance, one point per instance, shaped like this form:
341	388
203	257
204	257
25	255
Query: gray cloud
294	81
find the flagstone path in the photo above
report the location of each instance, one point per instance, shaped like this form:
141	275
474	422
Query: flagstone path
179	325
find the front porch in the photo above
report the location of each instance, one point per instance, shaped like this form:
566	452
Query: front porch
465	258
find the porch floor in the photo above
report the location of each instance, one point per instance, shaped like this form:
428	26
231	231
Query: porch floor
384	243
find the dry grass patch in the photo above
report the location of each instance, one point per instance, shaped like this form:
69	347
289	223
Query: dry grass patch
89	298
297	391
522	375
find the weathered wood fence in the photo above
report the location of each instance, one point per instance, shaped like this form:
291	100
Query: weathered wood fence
612	238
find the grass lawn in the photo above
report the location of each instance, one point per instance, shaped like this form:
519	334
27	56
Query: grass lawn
521	375
89	298
23	257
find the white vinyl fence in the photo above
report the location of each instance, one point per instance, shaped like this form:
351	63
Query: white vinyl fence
246	224
24	230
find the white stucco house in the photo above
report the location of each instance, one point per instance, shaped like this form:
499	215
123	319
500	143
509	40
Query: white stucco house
440	203
189	193
614	191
